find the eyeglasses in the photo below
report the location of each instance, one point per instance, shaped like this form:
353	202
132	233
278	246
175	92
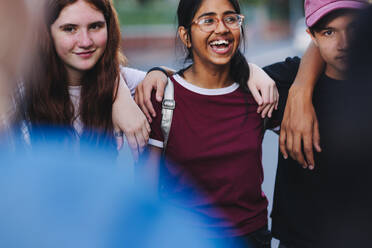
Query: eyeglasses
210	23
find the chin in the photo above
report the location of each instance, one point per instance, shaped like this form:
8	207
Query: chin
222	62
85	67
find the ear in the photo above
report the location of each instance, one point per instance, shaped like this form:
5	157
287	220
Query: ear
312	37
184	36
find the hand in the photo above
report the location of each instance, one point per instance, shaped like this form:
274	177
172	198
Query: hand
127	117
264	91
300	126
155	80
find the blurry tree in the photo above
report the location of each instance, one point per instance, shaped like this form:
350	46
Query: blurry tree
279	9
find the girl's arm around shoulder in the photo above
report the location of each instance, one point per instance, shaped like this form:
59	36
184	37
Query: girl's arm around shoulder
127	117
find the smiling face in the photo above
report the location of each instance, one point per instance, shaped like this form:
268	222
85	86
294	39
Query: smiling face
333	42
80	37
215	47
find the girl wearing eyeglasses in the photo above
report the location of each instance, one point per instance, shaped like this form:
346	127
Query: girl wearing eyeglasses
212	162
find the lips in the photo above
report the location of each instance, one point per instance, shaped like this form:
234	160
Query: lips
341	57
85	54
221	46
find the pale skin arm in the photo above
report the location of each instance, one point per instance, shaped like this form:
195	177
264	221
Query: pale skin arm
128	117
260	84
300	125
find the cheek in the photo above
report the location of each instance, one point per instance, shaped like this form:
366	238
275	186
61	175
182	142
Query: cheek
100	38
63	44
237	36
326	49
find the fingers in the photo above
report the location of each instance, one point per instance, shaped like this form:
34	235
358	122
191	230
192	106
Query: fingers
147	90
270	98
270	113
265	110
289	143
147	126
132	142
143	106
266	95
136	94
271	94
282	143
257	96
277	98
118	134
260	108
296	152
145	134
308	150
316	136
141	141
160	91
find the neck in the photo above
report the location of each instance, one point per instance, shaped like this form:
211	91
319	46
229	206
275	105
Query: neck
212	77
335	73
74	77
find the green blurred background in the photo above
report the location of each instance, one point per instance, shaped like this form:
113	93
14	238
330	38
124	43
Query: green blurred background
142	12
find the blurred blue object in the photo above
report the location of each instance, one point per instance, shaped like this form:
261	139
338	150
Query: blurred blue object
53	197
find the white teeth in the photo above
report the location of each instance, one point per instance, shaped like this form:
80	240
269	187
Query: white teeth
219	42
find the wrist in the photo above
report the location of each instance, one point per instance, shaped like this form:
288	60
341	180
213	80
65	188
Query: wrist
302	90
157	68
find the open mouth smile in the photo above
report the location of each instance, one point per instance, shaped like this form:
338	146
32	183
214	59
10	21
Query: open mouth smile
221	46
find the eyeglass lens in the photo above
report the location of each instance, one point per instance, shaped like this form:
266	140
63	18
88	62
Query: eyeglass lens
209	24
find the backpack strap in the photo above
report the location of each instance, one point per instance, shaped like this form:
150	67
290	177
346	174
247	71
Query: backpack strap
168	106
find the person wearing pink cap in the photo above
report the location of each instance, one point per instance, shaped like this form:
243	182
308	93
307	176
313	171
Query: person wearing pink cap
299	199
301	202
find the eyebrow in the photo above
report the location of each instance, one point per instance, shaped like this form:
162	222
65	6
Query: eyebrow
75	25
213	13
326	28
97	23
67	25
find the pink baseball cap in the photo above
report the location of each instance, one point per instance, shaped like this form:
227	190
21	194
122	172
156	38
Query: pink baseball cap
316	9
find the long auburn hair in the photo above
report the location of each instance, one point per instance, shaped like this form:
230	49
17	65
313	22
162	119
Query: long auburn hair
47	94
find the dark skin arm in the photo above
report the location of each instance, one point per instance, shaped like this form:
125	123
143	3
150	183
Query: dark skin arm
300	125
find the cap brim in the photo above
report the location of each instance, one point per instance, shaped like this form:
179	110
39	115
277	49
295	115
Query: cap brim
317	15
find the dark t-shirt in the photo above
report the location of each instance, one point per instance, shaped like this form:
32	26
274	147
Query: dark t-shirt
300	197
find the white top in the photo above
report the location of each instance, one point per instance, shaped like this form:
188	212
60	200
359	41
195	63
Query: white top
205	91
132	77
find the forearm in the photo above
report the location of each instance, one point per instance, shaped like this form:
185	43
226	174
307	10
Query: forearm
311	67
256	73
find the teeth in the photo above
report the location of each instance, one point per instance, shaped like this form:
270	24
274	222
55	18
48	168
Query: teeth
219	42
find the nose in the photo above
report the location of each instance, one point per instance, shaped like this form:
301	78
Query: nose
84	39
221	27
343	43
